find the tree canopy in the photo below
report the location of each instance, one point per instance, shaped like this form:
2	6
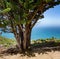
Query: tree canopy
24	11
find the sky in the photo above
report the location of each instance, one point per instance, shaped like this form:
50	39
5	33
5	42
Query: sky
51	18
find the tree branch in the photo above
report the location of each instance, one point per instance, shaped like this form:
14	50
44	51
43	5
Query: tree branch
36	19
51	5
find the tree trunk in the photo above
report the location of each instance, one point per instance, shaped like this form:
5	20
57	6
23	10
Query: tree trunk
18	39
23	39
26	41
27	37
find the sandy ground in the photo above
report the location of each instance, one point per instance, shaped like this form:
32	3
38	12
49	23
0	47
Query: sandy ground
46	55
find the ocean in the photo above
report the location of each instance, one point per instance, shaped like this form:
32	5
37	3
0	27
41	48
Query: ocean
39	33
45	32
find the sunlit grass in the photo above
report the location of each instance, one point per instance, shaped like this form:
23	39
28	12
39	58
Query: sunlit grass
7	42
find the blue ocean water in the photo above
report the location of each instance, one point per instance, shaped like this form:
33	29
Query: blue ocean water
37	33
46	32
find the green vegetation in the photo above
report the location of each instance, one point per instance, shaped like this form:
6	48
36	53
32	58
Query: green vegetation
48	42
7	42
38	43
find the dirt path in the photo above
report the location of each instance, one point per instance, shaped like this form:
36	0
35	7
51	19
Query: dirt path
46	55
36	53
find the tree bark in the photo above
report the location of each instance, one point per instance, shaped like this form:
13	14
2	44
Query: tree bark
18	39
27	37
23	38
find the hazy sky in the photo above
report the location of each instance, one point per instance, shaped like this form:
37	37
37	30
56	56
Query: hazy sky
51	18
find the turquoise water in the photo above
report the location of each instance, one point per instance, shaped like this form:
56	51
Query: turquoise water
37	33
45	32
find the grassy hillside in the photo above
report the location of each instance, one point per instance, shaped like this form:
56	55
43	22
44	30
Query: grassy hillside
49	41
46	40
7	42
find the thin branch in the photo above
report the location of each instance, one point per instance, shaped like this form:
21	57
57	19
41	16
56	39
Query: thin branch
33	14
51	5
37	18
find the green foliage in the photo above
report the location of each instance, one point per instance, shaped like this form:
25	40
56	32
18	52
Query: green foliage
21	8
48	0
4	23
47	40
8	5
5	10
46	43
